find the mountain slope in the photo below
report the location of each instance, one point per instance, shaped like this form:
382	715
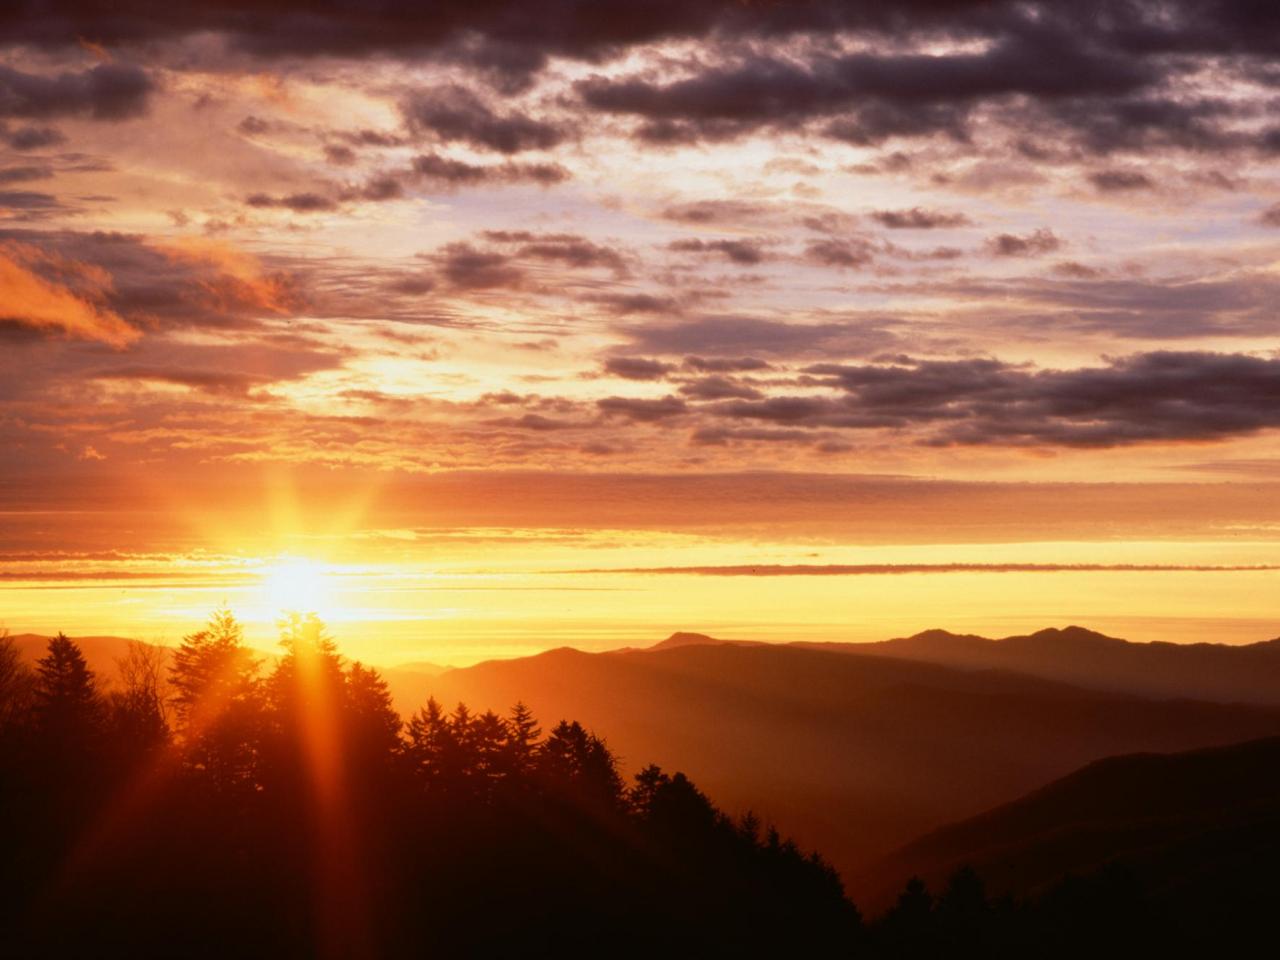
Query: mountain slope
1184	822
1207	671
855	755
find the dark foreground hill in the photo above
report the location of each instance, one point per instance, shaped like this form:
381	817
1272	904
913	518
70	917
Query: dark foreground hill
1198	831
855	754
290	813
1248	673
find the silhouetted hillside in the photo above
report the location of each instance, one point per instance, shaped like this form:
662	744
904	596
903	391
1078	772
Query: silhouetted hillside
288	811
856	754
1192	828
1204	671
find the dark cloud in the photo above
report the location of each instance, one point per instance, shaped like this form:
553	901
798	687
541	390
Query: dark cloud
642	410
29	205
743	252
725	364
917	218
704	212
568	249
623	304
456	173
724	436
253	125
734	336
105	92
30	137
719	388
339	155
1103	126
1011	48
1121	181
1084	297
453	113
1270	217
156	287
1152	397
872	96
412	284
308	202
636	368
467	268
535	422
25	173
887	569
1032	244
844	254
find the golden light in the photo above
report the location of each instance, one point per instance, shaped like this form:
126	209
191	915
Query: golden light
297	584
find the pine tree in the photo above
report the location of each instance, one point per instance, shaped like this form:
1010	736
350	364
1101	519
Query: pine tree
523	738
68	708
217	702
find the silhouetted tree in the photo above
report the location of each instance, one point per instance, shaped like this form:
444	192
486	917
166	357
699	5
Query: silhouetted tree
575	761
137	711
909	929
216	699
68	706
17	686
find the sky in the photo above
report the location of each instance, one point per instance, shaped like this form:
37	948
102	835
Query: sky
490	327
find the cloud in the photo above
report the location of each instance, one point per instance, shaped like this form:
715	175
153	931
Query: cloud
434	168
917	218
719	388
636	368
842	254
1120	181
734	336
724	436
623	304
297	202
30	137
453	113
105	92
892	569
874	96
25	173
568	249
1032	244
30	300
1151	397
1270	217
642	410
725	364
30	205
742	252
161	284
467	268
706	212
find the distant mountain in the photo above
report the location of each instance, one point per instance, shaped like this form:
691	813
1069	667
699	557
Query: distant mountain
683	639
421	666
1206	671
1187	824
853	754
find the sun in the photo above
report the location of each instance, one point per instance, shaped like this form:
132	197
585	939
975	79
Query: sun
297	585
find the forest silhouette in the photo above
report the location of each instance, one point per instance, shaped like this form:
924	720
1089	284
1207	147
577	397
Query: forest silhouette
205	806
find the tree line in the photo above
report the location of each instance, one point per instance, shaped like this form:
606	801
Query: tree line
203	806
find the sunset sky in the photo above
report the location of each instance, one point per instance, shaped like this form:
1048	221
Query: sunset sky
507	325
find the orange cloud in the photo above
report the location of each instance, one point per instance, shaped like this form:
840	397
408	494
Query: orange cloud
34	301
240	279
